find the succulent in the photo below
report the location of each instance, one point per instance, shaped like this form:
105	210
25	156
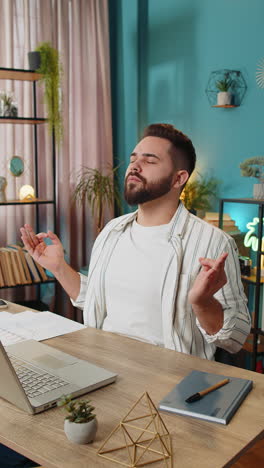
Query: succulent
253	167
225	84
79	411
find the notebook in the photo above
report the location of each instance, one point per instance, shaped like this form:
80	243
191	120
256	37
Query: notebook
34	375
218	406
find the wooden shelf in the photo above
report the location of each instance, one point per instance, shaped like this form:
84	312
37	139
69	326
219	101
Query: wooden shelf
50	280
248	346
36	201
17	74
226	107
252	279
22	120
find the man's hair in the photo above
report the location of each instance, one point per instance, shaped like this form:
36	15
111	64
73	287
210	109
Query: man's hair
182	152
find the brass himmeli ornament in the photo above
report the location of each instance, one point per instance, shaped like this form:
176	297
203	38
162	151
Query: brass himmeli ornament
146	438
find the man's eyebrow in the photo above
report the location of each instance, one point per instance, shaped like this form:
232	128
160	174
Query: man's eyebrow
148	155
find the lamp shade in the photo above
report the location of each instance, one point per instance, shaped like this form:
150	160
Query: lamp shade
26	192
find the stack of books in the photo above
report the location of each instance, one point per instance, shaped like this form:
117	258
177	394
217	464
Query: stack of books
229	225
18	267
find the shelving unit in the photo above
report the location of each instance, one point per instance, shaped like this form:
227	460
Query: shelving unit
33	77
256	280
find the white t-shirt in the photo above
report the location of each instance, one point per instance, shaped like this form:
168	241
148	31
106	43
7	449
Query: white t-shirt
133	283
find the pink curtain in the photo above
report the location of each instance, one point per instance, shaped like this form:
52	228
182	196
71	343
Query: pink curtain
79	30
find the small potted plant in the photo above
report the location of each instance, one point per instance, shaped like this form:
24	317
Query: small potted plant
80	425
253	167
224	96
8	106
46	61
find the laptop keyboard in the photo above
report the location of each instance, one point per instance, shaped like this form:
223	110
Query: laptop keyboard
35	381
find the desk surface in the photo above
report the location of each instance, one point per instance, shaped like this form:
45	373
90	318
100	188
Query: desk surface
141	367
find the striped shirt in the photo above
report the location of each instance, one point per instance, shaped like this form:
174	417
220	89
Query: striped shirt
189	239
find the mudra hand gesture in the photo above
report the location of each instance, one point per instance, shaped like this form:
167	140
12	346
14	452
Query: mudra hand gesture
51	256
211	278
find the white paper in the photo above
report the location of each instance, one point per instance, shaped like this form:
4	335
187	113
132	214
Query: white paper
37	326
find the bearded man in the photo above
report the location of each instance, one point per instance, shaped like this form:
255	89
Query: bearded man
159	274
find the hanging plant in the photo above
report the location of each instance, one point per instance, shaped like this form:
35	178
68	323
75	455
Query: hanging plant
51	69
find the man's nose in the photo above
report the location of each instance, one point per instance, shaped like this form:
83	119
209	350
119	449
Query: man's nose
136	166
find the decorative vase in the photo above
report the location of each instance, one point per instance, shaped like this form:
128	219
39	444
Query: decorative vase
80	433
224	98
34	60
258	191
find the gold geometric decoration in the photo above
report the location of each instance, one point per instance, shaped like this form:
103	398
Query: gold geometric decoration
260	74
140	438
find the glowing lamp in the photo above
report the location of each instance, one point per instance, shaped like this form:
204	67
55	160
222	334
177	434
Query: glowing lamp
251	239
26	192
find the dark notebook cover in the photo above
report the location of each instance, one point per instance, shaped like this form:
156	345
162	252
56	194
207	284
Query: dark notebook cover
218	406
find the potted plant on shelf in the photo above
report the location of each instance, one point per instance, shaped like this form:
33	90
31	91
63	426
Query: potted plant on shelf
253	167
198	194
80	425
47	62
99	190
224	96
8	106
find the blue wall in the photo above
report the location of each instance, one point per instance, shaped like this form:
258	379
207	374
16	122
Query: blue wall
185	41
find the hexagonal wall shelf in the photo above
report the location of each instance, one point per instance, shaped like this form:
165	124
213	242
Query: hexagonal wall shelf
237	89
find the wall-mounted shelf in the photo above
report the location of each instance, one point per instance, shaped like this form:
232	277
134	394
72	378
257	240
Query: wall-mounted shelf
22	120
18	74
225	107
237	87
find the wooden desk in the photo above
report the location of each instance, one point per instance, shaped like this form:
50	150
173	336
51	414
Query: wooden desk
141	367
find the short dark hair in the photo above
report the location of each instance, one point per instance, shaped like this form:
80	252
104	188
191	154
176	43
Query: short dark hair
182	151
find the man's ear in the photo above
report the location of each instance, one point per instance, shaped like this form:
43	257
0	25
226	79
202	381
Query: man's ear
180	178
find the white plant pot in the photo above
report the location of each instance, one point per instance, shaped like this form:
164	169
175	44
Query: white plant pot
80	433
224	98
258	191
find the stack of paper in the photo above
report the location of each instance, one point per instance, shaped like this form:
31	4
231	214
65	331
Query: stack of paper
35	326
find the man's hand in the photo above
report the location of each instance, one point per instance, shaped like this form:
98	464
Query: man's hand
51	256
211	278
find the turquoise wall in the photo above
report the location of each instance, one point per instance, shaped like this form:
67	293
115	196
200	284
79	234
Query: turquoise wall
169	65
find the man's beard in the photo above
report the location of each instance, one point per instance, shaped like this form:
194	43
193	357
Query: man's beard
146	191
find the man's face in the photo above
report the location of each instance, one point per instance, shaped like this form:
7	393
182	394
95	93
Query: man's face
150	172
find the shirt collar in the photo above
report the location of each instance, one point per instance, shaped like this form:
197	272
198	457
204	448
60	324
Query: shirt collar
178	222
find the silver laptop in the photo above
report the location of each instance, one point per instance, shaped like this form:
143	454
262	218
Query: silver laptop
34	375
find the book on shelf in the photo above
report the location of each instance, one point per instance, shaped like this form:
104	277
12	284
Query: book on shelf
19	264
218	406
2	282
229	225
4	269
14	266
6	258
18	267
32	267
23	262
42	272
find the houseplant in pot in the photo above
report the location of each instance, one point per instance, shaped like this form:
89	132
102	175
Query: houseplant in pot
50	67
224	96
80	425
253	167
198	194
99	189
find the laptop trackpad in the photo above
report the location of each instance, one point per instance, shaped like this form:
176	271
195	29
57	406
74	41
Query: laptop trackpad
52	362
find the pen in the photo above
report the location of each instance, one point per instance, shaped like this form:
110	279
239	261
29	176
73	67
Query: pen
197	396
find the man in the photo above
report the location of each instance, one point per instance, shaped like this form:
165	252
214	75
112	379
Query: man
159	274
